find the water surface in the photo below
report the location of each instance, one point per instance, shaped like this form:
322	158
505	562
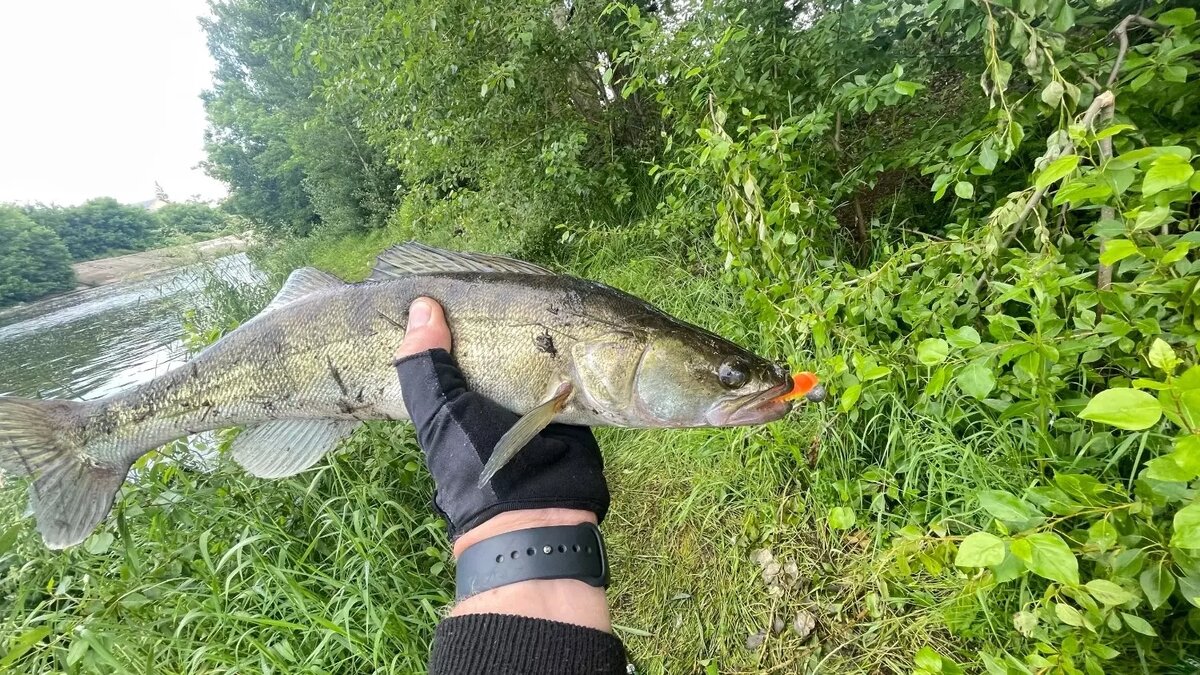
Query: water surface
98	341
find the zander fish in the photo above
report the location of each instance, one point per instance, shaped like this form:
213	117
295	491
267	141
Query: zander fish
317	362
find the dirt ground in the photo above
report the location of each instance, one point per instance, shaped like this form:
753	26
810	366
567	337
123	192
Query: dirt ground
139	265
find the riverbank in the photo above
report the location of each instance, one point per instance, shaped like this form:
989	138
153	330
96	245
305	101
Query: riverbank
141	265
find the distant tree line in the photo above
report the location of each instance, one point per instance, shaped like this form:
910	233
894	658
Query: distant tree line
38	243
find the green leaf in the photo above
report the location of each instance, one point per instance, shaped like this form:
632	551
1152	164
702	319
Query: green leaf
99	542
963	338
1010	568
1138	625
1157	583
1167	172
988	156
1162	356
841	517
1186	455
976	380
1180	16
1142	80
1149	219
980	549
906	88
1187	527
22	644
1068	614
1107	592
1189	588
1056	170
1165	468
928	659
932	351
849	397
1004	506
1113	130
964	190
1102	535
1047	555
1052	94
1123	408
874	372
1116	250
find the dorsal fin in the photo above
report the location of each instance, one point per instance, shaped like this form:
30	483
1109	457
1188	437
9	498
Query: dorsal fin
413	257
303	282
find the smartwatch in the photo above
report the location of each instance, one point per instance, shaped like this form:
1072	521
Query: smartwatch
560	552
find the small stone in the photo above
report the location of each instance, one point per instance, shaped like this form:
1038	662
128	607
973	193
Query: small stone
804	624
755	641
770	572
778	625
762	557
791	569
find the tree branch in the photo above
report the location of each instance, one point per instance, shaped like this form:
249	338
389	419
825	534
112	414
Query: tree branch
1121	33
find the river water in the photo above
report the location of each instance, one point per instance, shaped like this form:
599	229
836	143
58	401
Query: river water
98	341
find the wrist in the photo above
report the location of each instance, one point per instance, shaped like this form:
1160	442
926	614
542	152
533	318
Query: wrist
564	600
524	519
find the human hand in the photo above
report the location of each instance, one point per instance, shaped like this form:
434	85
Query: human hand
558	479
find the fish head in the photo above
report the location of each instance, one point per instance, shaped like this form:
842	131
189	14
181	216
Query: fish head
687	377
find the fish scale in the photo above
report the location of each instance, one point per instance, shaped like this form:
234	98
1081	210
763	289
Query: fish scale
318	360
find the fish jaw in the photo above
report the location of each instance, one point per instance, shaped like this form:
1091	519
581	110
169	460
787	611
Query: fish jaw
753	409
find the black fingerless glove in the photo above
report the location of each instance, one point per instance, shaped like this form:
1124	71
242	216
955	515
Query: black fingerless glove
458	429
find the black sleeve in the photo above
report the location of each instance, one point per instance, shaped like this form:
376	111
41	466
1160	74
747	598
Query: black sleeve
515	645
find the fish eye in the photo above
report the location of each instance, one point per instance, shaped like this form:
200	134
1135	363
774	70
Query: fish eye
733	374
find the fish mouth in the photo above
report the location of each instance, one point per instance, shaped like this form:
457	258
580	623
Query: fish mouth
759	408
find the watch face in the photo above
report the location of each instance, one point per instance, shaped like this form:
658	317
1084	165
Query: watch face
564	552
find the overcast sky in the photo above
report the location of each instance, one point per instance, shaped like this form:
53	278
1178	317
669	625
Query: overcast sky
102	99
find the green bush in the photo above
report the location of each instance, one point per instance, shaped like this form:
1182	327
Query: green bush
99	227
191	218
33	260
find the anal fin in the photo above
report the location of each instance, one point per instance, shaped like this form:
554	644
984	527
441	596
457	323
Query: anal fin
530	425
287	447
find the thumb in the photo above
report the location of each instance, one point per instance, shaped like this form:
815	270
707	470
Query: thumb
426	330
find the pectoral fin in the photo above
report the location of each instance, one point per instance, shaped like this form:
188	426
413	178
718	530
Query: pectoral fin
530	425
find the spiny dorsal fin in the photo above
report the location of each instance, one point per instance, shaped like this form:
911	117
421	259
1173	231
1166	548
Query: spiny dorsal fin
303	282
413	257
287	447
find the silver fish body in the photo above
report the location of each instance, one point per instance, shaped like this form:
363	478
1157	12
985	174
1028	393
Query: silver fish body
318	361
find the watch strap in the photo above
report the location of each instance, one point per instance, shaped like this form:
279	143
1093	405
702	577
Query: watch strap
560	552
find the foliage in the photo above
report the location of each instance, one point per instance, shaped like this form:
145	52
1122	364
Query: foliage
1055	253
192	218
33	260
99	227
290	163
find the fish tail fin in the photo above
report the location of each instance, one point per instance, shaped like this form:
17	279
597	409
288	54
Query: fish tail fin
71	491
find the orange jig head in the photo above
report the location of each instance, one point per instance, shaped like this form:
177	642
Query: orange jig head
804	384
